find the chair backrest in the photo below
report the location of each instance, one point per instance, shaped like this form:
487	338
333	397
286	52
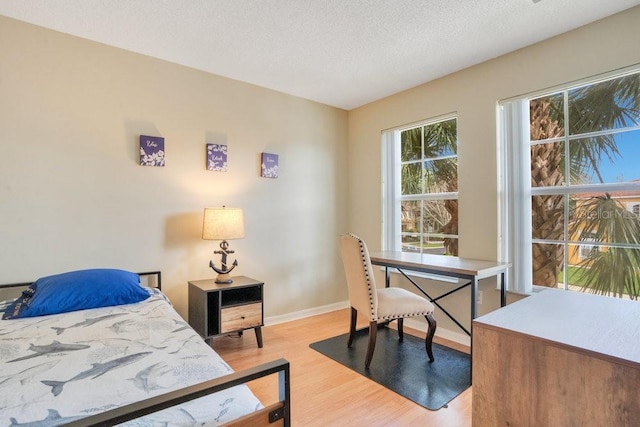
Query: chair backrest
360	280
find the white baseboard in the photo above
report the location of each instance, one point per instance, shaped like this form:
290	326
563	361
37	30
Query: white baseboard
297	315
410	323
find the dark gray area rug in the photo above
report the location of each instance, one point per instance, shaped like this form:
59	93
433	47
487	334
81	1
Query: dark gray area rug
404	366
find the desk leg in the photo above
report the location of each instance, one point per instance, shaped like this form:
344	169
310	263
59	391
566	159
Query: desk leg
474	301
474	314
503	290
387	277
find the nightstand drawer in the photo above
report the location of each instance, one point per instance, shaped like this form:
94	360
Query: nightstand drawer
241	317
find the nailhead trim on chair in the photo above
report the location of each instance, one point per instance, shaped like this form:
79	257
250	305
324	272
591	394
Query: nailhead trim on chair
421	313
366	272
369	286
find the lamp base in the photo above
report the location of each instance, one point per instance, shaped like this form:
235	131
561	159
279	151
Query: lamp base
223	272
224	278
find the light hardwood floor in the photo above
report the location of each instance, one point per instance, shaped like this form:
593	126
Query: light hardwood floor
325	393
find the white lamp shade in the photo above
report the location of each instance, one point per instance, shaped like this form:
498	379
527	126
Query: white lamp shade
222	224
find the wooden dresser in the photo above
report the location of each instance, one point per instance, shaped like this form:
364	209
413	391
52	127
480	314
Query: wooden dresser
558	358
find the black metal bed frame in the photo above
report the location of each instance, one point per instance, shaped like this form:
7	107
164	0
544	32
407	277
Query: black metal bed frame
158	403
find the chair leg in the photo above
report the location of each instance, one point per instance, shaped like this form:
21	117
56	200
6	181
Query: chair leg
430	333
352	326
400	330
373	332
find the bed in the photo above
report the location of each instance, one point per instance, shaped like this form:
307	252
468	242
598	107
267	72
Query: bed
105	363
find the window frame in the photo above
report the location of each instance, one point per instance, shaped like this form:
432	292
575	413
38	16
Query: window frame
392	196
515	190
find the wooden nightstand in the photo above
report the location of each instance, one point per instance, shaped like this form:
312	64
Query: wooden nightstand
216	309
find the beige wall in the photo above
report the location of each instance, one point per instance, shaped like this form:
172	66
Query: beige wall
73	195
473	94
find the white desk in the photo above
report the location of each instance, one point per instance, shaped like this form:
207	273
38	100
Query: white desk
443	265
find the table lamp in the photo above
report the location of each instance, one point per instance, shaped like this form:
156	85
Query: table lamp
223	224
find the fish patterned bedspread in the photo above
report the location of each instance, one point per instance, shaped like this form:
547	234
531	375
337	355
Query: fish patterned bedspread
58	368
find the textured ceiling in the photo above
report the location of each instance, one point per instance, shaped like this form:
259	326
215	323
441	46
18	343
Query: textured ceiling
344	53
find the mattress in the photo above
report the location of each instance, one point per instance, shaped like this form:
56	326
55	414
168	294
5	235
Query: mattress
62	367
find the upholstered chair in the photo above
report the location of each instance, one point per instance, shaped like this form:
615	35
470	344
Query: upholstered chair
379	305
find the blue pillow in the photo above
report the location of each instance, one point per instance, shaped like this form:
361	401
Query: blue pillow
77	290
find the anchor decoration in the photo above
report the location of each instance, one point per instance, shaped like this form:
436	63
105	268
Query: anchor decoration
223	224
223	272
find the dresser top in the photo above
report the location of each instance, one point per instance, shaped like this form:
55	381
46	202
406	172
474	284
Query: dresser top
600	326
238	282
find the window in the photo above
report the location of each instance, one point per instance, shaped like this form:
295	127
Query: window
586	250
421	187
571	157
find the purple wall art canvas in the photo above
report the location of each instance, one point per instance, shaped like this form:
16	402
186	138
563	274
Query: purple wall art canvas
151	150
269	168
217	157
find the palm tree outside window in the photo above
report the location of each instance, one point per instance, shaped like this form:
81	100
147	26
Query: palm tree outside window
580	147
421	187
